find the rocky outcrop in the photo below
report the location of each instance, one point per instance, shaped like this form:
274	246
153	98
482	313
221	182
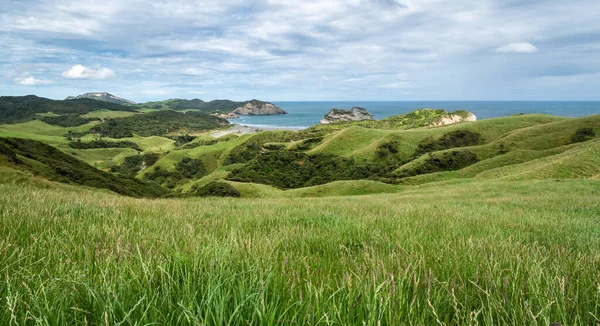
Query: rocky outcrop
452	118
255	107
356	114
102	96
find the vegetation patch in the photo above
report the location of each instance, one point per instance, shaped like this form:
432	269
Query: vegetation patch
216	189
157	124
446	161
291	169
182	139
132	165
454	139
191	168
104	144
68	120
583	134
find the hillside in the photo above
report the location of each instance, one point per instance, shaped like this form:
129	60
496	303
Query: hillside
17	109
48	162
158	124
175	150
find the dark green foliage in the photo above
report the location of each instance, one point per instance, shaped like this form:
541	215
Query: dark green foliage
447	161
290	169
104	144
454	139
187	168
583	134
200	143
157	124
191	168
50	163
68	120
218	189
182	139
388	148
253	146
132	165
309	143
163	177
16	109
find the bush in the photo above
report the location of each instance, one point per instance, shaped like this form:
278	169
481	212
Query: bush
69	120
448	161
132	165
191	168
218	189
454	139
291	169
583	134
104	144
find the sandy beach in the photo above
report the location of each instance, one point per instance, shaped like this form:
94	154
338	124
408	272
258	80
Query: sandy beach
245	129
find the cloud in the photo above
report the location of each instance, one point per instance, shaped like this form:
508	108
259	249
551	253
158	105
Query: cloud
517	48
280	50
32	81
81	72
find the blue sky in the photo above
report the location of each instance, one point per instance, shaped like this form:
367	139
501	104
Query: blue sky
279	50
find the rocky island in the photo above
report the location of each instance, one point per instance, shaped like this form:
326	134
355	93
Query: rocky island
356	114
256	107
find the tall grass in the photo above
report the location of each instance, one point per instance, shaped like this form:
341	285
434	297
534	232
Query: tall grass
493	253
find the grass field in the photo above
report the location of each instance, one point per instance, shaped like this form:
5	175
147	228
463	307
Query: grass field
468	253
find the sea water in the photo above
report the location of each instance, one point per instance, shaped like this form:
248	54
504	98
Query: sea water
305	114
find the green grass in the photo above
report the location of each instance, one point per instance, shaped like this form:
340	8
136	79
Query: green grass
486	253
102	158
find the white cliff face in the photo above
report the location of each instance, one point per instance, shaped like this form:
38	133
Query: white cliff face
453	118
256	108
356	114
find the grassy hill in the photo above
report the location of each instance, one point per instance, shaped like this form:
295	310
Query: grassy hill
16	109
48	162
488	253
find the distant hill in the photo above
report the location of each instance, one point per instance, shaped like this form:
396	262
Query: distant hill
16	109
102	96
221	106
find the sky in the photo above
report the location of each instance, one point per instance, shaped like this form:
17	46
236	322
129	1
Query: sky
310	50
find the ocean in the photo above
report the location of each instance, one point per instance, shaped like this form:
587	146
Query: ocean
305	114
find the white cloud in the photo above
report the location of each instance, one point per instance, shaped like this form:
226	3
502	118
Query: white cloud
32	81
517	48
81	72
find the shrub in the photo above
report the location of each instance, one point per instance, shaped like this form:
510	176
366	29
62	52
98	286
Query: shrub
104	144
448	161
218	189
454	139
191	168
291	169
583	134
132	165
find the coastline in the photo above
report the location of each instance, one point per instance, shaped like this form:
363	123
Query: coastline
243	129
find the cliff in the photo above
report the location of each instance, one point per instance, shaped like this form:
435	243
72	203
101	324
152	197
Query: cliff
255	107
